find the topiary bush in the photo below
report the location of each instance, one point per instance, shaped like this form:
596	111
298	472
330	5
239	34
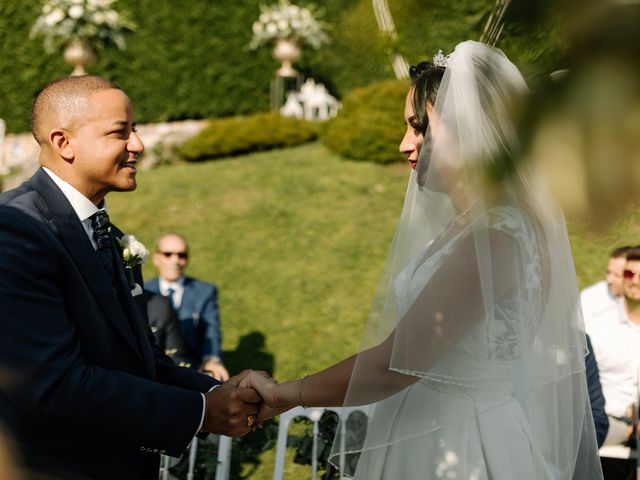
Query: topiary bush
370	126
242	134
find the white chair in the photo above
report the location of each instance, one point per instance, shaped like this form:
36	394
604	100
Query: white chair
313	414
224	460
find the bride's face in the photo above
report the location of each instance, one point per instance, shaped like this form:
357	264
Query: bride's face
413	137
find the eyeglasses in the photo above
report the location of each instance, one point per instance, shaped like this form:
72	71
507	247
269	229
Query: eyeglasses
629	274
181	255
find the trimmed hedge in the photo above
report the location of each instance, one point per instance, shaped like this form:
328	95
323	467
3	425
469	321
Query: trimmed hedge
191	59
370	125
236	135
186	60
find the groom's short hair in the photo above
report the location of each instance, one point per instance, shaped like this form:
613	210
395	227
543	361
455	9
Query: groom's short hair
65	93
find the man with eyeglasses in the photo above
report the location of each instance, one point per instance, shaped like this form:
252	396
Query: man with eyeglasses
615	335
195	302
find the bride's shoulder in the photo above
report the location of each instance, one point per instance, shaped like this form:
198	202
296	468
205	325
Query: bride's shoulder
505	218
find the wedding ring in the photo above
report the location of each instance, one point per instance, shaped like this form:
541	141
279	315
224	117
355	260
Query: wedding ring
250	420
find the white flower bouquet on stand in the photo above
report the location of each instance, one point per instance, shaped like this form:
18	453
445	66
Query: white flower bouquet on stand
81	28
288	27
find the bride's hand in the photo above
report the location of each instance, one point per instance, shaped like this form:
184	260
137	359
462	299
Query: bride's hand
267	388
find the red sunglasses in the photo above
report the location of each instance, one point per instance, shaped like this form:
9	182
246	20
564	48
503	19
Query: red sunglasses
628	274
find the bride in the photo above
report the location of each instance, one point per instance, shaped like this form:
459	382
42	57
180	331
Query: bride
473	356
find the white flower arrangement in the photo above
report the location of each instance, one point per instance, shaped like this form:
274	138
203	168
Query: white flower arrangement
285	20
95	22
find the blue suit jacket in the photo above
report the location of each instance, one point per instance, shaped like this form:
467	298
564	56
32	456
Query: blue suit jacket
198	314
85	393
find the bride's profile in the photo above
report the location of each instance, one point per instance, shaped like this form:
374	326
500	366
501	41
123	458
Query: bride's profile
473	356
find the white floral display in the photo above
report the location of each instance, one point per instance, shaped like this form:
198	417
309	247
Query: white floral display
285	20
93	21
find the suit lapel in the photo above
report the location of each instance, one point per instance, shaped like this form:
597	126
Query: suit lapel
64	221
130	306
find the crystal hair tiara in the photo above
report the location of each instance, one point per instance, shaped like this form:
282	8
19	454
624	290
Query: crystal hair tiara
440	60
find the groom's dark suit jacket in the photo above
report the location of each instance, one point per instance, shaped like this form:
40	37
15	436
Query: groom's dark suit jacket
84	391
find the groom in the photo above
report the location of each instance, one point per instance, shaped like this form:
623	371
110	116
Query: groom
84	391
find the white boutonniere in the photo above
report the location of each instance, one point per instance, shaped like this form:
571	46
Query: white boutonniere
133	253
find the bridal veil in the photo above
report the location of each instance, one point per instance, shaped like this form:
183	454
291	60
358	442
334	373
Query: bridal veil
478	304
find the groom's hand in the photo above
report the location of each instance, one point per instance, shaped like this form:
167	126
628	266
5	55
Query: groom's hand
228	407
266	386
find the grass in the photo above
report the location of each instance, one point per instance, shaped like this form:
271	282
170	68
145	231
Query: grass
591	246
295	239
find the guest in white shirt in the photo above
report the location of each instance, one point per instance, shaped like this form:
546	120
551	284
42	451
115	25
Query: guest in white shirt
615	335
603	294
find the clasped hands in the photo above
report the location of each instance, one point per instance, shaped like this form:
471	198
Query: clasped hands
242	403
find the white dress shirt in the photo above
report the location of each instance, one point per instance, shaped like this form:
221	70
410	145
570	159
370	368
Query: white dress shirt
595	299
178	289
616	344
84	208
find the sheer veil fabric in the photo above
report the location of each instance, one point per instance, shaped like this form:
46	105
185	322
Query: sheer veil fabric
473	356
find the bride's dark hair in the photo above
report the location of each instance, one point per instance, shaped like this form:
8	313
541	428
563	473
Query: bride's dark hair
425	81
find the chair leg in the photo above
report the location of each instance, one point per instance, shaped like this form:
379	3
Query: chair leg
224	458
164	471
193	450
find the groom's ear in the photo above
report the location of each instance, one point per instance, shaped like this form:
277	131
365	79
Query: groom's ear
59	140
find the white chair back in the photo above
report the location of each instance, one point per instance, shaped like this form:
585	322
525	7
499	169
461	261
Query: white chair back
313	414
224	460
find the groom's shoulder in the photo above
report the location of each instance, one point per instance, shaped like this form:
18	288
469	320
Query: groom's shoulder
26	196
21	225
23	194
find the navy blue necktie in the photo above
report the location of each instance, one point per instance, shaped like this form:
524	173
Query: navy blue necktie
170	292
101	228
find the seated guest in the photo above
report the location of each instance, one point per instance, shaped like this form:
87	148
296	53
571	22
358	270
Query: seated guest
603	294
165	325
195	302
615	335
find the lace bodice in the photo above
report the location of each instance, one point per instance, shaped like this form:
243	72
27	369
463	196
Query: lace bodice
490	348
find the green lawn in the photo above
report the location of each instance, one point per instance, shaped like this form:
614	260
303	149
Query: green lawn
295	239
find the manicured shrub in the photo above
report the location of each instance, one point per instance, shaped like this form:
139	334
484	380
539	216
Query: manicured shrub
370	126
235	135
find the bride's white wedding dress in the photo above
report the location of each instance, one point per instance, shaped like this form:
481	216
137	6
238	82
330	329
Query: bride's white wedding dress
461	420
477	312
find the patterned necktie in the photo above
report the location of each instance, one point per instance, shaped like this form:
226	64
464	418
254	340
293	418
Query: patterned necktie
170	292
101	228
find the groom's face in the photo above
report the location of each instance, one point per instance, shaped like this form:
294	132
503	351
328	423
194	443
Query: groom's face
105	145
